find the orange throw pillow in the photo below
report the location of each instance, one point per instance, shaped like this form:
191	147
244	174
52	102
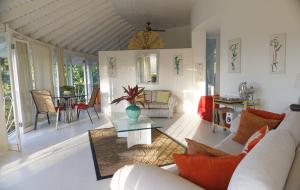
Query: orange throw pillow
194	147
255	138
210	173
249	124
266	114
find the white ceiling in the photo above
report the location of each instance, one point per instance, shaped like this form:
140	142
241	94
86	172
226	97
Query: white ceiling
161	13
91	25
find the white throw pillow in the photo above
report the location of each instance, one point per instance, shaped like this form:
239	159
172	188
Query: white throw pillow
148	178
235	124
292	124
267	165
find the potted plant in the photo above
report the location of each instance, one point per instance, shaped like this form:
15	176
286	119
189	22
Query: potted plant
133	96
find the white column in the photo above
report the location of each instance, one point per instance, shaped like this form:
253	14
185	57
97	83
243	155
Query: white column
3	133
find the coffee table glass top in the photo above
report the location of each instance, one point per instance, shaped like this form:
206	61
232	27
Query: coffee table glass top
122	124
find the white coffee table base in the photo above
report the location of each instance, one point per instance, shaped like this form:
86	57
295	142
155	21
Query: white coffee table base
137	137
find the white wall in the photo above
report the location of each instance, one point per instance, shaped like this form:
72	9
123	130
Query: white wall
254	21
183	87
178	37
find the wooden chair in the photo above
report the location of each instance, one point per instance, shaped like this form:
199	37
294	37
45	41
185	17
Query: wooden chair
91	104
44	105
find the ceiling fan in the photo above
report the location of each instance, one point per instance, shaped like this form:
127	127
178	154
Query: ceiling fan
148	28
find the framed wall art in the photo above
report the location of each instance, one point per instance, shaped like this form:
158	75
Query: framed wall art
234	55
178	64
277	53
112	67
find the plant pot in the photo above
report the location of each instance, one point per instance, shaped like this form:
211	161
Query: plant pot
133	113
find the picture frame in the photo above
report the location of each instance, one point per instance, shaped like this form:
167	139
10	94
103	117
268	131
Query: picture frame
178	65
277	45
112	67
234	55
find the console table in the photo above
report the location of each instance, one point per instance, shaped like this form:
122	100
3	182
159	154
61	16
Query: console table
229	103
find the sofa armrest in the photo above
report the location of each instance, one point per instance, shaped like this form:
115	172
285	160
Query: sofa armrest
145	177
172	102
171	105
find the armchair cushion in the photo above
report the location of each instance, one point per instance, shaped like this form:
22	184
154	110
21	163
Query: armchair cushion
158	105
163	96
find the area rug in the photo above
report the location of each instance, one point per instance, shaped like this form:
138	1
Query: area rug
111	153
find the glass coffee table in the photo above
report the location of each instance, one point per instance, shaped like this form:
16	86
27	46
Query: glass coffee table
136	133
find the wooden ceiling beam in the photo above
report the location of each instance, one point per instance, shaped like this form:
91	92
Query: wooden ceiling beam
105	40
121	43
77	24
22	10
80	14
67	39
50	10
105	28
5	5
54	17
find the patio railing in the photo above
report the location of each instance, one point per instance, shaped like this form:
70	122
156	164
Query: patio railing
9	116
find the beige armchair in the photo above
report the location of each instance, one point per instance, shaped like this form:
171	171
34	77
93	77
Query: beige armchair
159	103
44	105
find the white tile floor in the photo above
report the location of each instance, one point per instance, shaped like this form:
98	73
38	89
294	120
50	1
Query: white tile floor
62	160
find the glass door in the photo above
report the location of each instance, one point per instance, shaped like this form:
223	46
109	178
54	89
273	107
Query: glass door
7	82
211	66
23	84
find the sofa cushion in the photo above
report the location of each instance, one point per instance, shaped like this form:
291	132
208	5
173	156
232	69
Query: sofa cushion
194	147
266	114
267	165
291	124
158	105
148	178
249	124
163	96
147	95
293	182
230	146
211	173
153	95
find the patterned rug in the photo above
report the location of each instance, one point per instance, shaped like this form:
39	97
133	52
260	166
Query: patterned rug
111	153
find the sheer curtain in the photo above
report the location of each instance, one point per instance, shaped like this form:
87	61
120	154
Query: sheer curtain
41	57
61	69
25	83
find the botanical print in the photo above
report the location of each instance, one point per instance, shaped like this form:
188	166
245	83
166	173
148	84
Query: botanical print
178	64
112	67
277	49
234	56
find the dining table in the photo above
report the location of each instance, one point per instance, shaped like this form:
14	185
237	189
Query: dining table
67	103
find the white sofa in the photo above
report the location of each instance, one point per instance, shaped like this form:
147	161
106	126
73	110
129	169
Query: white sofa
273	164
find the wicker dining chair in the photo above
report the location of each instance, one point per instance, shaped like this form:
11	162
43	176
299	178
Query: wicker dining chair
44	105
91	104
